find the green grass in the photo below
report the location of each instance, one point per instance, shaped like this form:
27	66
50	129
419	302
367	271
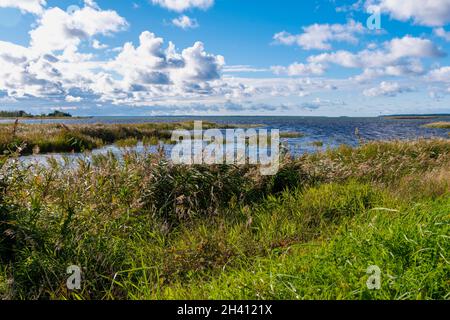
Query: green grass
438	125
411	247
142	228
128	142
318	144
291	135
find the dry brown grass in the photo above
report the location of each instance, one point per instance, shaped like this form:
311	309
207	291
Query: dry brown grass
431	184
438	125
378	161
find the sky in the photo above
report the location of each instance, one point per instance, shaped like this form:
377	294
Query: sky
225	57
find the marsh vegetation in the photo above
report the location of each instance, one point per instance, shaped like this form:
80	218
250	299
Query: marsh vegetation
59	138
439	125
142	228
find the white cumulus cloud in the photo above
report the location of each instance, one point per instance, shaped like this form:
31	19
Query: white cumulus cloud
300	69
70	98
440	75
31	6
138	75
98	45
399	56
183	5
388	89
57	29
434	13
441	33
184	22
320	36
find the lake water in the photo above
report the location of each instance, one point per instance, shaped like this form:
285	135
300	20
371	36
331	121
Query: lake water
331	131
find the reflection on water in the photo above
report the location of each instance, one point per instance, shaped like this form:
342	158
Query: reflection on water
70	157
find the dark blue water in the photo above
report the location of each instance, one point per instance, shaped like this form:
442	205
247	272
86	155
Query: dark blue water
332	132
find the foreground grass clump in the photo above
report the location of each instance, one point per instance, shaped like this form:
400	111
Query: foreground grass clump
439	125
49	138
142	228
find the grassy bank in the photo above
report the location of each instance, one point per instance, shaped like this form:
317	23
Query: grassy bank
49	138
439	125
145	229
291	135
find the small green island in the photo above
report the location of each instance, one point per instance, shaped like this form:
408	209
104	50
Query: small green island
416	116
438	125
291	135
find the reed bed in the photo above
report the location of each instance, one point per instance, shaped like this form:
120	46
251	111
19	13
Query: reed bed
57	138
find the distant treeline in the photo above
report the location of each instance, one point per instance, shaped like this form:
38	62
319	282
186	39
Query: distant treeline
23	114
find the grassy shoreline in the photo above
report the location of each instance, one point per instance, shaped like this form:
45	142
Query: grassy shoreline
438	125
44	118
54	138
142	228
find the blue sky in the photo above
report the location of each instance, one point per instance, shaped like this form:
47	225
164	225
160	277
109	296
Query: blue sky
223	57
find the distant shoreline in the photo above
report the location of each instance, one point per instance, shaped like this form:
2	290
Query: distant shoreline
415	116
44	118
